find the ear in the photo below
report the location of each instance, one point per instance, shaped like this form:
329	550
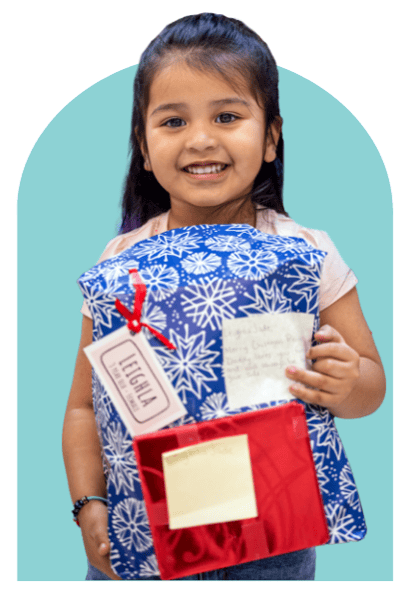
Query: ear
142	145
273	135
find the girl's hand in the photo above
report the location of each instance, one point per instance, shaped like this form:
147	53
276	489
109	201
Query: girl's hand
333	375
93	521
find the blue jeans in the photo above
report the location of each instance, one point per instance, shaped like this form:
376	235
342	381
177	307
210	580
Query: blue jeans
296	566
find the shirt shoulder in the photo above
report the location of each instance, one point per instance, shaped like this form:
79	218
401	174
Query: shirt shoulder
121	242
336	277
271	222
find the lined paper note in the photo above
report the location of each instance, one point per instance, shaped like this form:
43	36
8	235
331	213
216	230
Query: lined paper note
257	349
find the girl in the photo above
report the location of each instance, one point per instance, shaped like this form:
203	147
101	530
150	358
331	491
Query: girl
207	148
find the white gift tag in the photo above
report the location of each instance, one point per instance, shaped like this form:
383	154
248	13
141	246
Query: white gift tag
210	482
135	381
256	351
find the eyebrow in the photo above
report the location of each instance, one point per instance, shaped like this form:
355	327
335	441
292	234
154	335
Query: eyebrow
184	106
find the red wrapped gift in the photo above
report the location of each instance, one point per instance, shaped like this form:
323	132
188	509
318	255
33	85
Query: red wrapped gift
290	513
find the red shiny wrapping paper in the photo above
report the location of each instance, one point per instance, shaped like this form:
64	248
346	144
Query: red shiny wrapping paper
290	508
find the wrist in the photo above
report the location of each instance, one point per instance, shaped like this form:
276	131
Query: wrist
79	504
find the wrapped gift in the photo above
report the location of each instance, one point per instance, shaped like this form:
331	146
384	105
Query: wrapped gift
237	304
231	490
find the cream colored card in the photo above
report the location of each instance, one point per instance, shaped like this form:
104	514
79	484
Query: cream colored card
256	351
209	482
135	381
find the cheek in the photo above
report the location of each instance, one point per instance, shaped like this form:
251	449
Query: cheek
249	147
161	148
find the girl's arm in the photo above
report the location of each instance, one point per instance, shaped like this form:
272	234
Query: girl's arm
81	452
347	376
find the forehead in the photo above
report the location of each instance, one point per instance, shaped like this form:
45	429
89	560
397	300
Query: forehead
179	83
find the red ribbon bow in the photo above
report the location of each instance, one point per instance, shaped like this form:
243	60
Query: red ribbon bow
134	316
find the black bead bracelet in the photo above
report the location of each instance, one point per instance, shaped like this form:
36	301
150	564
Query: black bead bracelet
81	503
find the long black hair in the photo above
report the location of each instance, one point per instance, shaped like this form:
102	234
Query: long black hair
207	42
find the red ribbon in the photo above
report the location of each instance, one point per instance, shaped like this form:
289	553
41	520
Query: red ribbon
134	316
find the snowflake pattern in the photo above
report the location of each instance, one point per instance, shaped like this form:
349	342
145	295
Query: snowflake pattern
310	258
196	277
341	523
287	245
121	458
201	263
175	243
322	429
115	559
117	271
268	298
227	243
254	264
244	231
322	475
192	365
215	406
103	406
101	305
160	280
131	526
153	316
306	284
349	489
208	304
149	568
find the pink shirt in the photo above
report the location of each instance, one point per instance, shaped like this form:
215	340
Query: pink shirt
336	278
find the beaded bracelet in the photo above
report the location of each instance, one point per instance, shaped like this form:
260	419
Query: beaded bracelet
79	504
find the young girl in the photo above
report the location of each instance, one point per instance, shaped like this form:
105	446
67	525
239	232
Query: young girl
207	148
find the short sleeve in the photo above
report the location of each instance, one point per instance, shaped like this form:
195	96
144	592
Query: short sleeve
110	250
336	278
155	225
85	310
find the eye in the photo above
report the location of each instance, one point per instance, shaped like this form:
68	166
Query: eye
174	122
226	118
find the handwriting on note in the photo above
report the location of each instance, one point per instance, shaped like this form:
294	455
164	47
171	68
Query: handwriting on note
256	351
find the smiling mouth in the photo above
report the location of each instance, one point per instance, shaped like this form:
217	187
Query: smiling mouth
206	169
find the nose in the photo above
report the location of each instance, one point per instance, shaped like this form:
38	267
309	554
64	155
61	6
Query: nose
201	137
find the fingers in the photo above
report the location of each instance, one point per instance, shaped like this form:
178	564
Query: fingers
103	564
316	388
332	345
331	367
326	333
107	569
333	374
313	380
310	396
339	351
99	556
104	548
102	543
93	520
99	533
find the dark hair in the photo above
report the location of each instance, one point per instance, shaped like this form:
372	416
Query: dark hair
207	42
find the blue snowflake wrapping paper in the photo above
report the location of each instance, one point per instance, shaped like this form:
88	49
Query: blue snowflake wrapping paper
195	277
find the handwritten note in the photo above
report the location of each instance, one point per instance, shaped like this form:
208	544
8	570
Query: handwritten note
210	482
256	351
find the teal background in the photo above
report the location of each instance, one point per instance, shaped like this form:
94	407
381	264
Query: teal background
68	210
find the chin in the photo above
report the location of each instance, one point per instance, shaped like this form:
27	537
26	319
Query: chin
209	203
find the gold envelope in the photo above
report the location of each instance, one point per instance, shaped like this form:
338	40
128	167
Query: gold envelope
210	482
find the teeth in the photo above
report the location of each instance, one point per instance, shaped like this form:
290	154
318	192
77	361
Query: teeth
204	170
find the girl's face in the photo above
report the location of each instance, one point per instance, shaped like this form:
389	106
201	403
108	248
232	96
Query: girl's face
205	141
